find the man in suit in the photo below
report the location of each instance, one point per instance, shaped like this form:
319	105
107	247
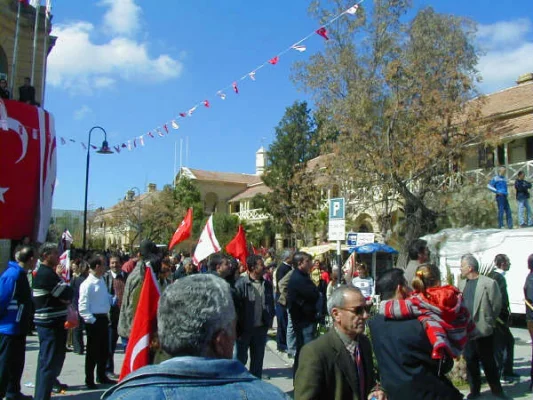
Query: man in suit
503	336
483	299
339	364
27	93
115	280
403	351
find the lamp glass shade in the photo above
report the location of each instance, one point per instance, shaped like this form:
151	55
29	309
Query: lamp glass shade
105	148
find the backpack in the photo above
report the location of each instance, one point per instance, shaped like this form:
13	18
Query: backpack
283	287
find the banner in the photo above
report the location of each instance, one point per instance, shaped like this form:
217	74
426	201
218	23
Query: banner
28	170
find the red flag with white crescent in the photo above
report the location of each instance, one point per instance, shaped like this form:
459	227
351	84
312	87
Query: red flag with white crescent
28	170
183	231
144	325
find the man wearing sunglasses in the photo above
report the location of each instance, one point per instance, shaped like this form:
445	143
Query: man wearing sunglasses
339	364
403	350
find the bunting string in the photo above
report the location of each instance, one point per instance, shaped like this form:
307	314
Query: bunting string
221	94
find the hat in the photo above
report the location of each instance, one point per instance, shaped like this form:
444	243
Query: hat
147	247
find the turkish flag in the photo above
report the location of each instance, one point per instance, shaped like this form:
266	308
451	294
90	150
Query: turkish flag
237	247
184	230
323	32
144	325
28	170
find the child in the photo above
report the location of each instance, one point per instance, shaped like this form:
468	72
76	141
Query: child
440	309
363	281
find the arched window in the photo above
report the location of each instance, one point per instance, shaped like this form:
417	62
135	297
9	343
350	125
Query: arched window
210	202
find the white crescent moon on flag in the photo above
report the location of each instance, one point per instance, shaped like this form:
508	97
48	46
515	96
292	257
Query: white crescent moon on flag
22	133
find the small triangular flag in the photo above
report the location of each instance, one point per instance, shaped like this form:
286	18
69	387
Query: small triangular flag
322	32
274	60
252	75
206	103
175	124
299	47
235	87
221	95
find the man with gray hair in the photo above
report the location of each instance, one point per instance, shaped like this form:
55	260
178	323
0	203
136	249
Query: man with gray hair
339	364
483	299
196	327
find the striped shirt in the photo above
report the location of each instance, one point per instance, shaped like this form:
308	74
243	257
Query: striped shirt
50	297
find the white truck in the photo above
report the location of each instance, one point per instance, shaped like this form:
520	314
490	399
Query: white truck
449	245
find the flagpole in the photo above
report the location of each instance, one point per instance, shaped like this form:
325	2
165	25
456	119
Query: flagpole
15	51
174	177
35	35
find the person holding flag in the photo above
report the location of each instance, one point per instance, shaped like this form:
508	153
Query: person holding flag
144	324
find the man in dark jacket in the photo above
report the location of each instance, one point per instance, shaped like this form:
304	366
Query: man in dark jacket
51	296
254	303
503	338
115	280
403	351
302	297
27	93
522	198
16	313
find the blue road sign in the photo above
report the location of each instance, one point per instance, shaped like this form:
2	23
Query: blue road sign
336	208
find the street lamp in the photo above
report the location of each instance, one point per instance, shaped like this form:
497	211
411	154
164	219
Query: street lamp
103	150
132	199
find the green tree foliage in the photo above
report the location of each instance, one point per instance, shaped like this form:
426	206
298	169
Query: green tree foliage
400	92
294	197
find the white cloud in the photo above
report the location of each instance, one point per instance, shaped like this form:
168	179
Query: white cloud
82	112
508	46
122	18
80	65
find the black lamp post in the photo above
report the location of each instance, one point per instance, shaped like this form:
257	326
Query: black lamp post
103	150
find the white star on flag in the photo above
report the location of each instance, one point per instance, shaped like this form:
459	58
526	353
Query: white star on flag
222	95
252	75
352	10
2	192
299	47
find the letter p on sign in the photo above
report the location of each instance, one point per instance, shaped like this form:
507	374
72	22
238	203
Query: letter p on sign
336	208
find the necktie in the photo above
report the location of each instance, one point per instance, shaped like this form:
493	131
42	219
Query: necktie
360	372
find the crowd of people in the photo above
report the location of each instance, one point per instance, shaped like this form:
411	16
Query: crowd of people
214	319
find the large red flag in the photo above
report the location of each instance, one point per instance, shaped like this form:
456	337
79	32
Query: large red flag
237	247
144	326
183	231
27	170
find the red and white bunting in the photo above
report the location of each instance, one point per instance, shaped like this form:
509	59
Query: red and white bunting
298	46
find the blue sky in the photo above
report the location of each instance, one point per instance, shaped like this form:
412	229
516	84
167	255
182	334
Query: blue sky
132	65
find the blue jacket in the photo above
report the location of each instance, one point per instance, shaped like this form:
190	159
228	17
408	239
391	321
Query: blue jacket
194	378
16	308
498	185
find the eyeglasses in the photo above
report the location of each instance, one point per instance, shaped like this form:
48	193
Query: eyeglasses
359	311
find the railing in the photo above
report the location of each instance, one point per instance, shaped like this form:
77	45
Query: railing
256	214
482	176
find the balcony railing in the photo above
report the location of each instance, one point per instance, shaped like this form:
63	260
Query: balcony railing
482	176
256	214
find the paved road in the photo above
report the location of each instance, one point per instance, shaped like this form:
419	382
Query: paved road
277	370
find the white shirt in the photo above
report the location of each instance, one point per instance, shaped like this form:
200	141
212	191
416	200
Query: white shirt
94	298
366	285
